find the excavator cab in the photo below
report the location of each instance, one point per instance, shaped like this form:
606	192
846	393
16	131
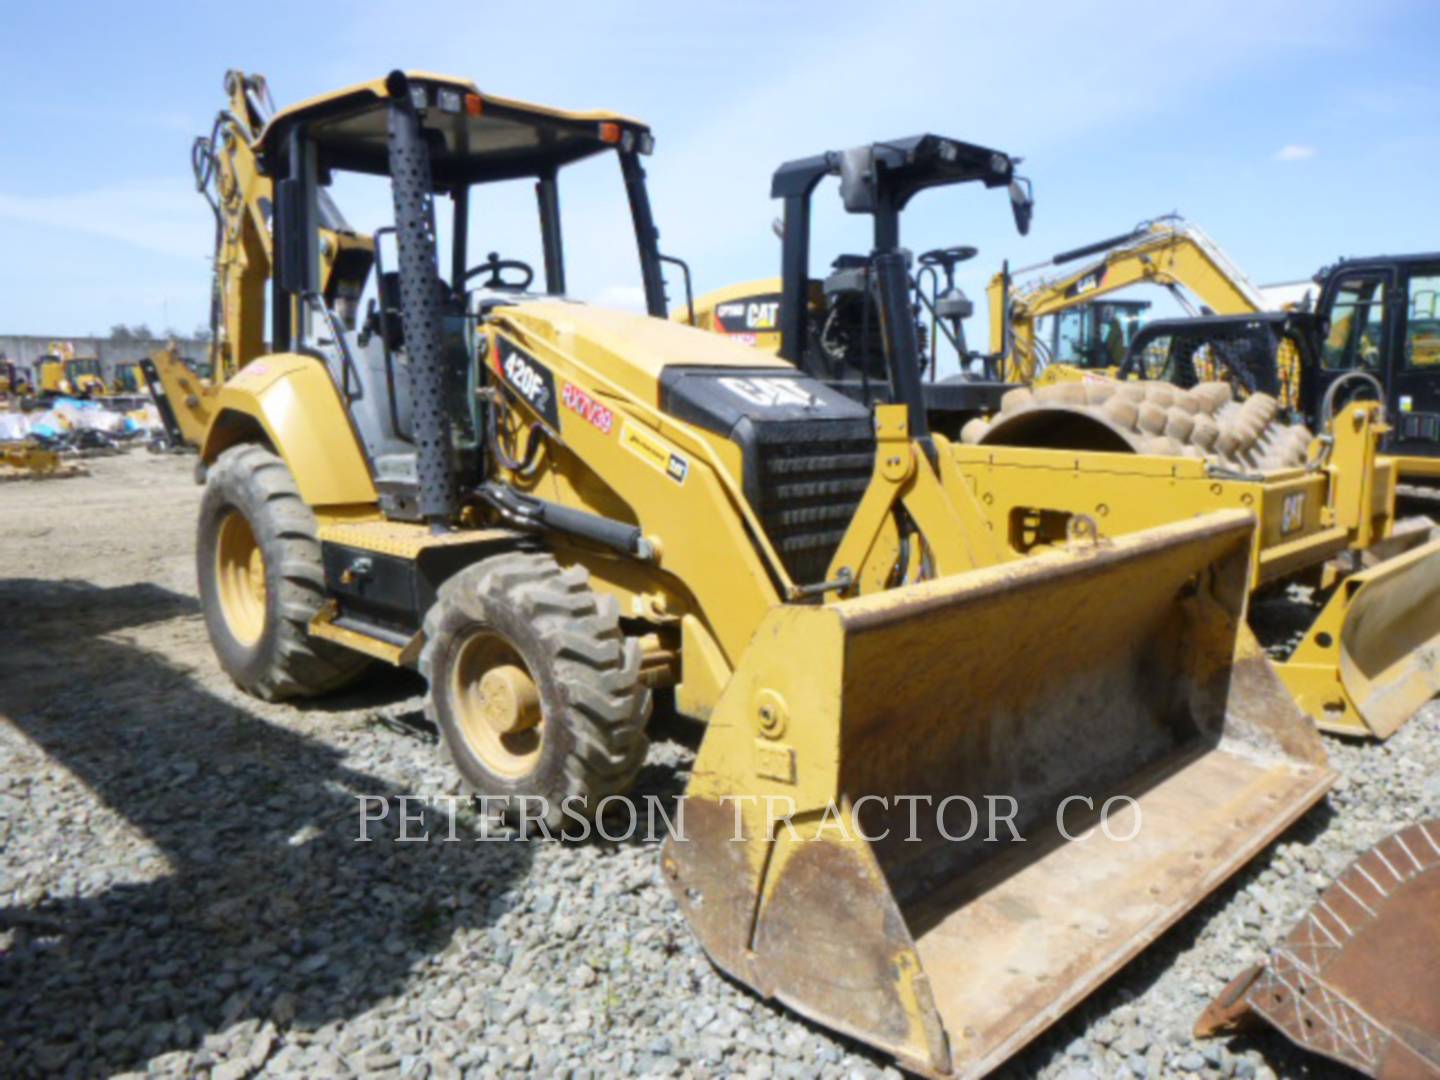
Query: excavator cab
1095	337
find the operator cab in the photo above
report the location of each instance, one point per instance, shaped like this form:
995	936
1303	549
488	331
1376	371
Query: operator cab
454	140
1097	335
1378	336
875	325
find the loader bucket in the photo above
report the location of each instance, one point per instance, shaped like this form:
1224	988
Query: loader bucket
1372	657
1121	671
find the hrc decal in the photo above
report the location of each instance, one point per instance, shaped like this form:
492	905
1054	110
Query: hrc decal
530	379
653	452
594	414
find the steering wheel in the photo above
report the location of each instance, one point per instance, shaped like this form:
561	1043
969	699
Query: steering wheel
948	257
495	267
1327	405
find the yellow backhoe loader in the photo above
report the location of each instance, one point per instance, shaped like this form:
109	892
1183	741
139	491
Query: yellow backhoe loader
62	373
552	508
1107	460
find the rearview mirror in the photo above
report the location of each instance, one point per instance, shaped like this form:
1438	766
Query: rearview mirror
1022	203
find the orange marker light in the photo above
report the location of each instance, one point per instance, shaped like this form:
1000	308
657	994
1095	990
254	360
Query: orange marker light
473	105
609	132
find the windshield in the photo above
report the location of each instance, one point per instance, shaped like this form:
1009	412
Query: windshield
1096	335
599	259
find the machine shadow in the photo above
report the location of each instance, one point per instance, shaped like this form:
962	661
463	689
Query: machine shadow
266	908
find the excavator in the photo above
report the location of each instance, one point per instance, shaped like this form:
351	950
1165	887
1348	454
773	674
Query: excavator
554	510
1107	459
1169	252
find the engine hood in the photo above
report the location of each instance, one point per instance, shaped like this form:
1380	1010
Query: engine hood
630	348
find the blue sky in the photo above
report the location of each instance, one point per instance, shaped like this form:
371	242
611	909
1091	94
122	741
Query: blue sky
1292	132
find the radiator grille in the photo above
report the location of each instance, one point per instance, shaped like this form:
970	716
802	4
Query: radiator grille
808	491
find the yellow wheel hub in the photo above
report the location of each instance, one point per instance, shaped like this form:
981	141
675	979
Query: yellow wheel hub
240	578
497	705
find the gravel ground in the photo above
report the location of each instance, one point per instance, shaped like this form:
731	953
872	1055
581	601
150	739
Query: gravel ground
181	891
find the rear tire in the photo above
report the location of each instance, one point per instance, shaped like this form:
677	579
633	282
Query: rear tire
563	711
261	580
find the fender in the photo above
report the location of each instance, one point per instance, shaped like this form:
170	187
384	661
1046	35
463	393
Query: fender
291	401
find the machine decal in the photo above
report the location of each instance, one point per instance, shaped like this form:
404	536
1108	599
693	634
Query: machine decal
1292	512
595	414
530	379
769	393
755	313
745	319
1089	283
653	452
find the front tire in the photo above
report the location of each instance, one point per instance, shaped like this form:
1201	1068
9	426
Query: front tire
534	688
261	580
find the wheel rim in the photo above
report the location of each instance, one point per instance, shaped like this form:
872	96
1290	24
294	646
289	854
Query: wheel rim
497	705
240	578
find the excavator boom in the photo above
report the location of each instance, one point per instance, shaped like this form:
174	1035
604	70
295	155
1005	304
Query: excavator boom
1170	252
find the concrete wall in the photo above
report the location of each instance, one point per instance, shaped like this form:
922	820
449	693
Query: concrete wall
25	349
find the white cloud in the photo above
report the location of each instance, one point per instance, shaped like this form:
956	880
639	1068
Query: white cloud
1294	152
167	216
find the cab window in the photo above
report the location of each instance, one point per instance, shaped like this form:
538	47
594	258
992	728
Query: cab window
1357	323
1422	322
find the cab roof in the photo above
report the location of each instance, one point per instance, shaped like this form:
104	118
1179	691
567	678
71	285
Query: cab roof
907	166
476	136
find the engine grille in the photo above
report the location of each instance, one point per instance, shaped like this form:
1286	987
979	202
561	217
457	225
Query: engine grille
806	489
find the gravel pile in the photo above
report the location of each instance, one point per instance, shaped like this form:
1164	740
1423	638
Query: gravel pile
181	890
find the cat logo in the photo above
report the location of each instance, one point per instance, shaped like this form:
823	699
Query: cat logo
654	452
760	316
749	315
769	393
1088	283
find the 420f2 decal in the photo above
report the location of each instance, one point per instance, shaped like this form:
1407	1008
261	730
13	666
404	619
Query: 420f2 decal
530	379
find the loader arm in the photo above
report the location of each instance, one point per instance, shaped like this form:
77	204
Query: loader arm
1169	252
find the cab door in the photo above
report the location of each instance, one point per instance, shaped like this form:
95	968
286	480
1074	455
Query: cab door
1357	327
1414	398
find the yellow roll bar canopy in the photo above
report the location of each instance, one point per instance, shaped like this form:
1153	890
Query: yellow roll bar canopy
482	137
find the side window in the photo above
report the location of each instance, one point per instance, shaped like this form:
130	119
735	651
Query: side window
1422	322
1071	331
1357	323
